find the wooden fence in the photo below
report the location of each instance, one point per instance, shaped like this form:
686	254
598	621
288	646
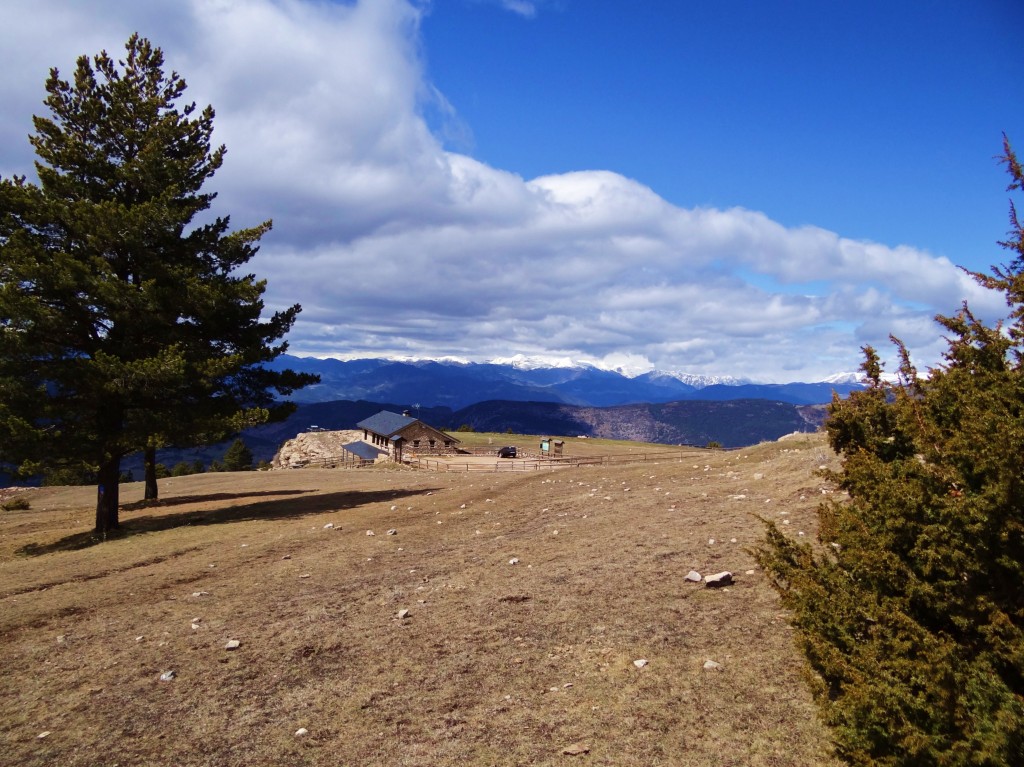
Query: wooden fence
344	461
544	464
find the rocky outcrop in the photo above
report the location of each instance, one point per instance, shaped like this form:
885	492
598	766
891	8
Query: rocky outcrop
312	447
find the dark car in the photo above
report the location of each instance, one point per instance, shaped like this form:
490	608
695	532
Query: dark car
507	452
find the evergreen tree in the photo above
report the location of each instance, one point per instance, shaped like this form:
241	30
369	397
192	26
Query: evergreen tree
238	457
912	613
122	323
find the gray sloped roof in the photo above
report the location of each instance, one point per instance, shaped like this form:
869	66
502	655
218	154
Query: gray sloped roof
385	423
363	450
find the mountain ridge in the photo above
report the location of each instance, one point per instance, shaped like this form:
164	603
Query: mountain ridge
458	384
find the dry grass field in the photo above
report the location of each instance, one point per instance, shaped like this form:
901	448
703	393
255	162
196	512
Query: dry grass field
493	664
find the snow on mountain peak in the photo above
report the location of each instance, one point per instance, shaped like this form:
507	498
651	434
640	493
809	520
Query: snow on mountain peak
534	362
628	365
700	381
843	378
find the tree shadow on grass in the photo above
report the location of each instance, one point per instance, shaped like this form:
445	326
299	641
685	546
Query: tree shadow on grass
280	508
178	500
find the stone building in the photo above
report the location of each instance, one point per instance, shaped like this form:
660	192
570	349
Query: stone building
398	434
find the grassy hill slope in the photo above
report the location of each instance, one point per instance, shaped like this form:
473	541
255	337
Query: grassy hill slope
495	663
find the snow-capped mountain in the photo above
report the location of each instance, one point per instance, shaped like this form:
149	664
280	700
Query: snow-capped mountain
535	362
701	381
844	378
457	384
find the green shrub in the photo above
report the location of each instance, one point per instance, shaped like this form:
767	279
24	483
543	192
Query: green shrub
911	613
68	475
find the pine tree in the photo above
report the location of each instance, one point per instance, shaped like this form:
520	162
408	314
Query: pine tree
123	323
238	457
912	612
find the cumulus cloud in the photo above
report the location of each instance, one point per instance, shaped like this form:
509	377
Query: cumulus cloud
396	244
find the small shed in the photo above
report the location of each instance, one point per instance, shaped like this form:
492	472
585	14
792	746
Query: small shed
363	451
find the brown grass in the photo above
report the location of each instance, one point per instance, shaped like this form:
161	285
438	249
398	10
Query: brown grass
496	664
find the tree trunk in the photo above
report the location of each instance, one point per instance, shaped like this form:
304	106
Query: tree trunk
149	461
107	496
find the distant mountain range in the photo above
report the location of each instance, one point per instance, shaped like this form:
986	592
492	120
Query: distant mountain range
529	398
457	385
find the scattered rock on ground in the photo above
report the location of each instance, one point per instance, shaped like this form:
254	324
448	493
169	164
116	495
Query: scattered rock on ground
167	676
640	662
693	577
576	749
718	579
710	665
233	644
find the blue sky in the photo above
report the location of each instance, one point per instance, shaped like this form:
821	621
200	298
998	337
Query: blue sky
877	120
732	188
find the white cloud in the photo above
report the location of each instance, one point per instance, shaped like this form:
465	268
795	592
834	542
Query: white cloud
522	7
396	246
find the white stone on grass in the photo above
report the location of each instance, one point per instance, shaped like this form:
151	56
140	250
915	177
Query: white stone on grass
233	644
576	749
718	579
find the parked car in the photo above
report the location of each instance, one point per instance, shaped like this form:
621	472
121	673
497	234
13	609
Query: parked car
507	452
